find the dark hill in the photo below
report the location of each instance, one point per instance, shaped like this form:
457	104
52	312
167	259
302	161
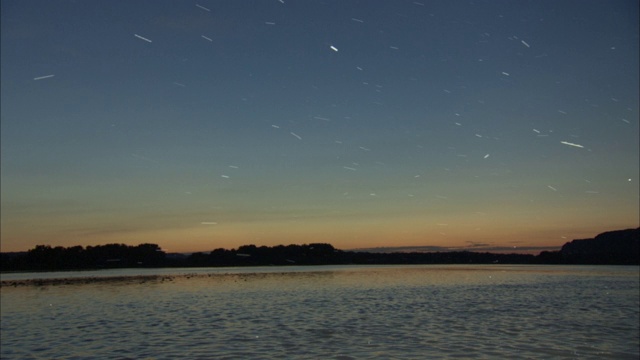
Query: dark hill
621	247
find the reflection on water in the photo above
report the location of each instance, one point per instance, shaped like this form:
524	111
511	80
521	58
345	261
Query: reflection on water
328	312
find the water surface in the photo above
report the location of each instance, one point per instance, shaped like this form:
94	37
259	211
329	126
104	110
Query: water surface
332	312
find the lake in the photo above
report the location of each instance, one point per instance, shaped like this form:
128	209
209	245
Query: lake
324	312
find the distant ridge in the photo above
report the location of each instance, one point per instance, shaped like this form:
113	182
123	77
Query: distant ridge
620	247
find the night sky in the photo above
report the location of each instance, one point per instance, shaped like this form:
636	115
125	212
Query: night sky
482	125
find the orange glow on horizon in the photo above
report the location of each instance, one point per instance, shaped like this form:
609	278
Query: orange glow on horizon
363	234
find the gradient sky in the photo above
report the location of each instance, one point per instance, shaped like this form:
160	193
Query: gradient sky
208	124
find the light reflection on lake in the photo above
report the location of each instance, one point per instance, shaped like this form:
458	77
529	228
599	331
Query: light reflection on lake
331	312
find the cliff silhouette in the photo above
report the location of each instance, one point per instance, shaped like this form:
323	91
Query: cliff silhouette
612	247
621	247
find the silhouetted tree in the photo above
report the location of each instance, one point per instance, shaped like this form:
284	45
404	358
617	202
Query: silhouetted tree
615	247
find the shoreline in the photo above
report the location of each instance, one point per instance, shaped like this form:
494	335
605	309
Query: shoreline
250	271
88	280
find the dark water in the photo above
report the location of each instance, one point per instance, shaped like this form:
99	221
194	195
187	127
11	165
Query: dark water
395	312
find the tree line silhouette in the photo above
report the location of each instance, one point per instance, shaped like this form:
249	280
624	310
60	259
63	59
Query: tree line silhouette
616	247
47	258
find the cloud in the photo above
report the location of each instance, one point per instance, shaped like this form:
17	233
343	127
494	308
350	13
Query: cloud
474	244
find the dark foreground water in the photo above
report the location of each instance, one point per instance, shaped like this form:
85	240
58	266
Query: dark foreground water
394	312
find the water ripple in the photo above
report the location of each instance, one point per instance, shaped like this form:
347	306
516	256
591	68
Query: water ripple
378	313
